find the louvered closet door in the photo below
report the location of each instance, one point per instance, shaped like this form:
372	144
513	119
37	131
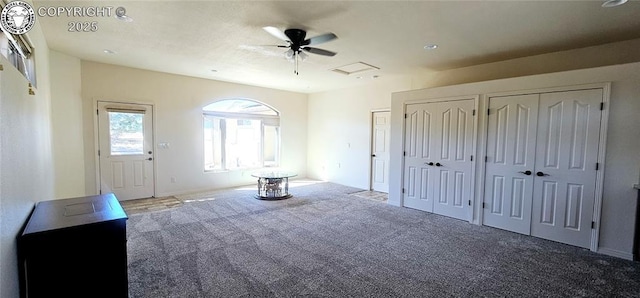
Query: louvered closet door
566	156
438	144
511	145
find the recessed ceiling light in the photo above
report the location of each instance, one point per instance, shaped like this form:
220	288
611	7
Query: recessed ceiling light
358	78
612	3
214	70
107	51
375	76
431	47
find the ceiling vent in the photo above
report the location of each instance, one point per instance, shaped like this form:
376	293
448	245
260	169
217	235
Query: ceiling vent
353	68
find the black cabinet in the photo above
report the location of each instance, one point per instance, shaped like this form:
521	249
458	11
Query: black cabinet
74	248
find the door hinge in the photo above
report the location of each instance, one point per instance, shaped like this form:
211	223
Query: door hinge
98	152
486	158
97	112
601	106
474	112
404	153
597	166
593	224
484	205
403	190
405	116
488	111
471	157
469	202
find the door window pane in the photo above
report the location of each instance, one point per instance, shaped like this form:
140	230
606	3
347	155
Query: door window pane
126	133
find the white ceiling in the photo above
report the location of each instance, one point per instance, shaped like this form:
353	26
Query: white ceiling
193	37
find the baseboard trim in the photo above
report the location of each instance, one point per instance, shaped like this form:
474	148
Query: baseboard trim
615	253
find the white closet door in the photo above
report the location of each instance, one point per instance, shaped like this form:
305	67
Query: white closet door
453	148
419	136
438	149
511	149
567	150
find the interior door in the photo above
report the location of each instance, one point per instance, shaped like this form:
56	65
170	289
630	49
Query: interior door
453	146
567	152
438	149
380	151
126	150
419	135
511	142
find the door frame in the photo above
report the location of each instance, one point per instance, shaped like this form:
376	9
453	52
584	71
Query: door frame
371	113
96	140
474	145
604	120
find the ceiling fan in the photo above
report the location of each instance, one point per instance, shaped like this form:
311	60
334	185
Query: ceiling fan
298	45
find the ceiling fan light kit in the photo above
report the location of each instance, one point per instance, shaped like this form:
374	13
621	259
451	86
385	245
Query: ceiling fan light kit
297	44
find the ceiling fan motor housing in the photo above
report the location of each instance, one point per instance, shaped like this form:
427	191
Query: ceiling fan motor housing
296	36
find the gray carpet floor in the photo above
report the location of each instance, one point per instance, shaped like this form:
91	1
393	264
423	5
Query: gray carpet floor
324	242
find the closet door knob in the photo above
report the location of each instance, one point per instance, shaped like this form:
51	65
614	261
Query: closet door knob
439	165
540	174
527	172
429	163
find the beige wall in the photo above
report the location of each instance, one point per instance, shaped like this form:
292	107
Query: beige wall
339	123
66	120
178	102
25	155
339	131
589	57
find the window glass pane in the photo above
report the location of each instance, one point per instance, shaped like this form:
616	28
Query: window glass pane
242	106
242	144
240	134
126	133
270	146
212	144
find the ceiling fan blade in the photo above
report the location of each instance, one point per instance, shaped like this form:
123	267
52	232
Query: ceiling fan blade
319	39
319	51
276	33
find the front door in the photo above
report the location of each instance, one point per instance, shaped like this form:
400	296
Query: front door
438	149
125	136
380	151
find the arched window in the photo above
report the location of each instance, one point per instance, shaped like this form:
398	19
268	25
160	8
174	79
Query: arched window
240	134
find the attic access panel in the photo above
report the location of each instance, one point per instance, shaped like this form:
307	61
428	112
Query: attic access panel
353	68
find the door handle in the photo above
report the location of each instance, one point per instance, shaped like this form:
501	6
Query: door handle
540	174
150	152
527	172
149	158
439	165
373	155
429	163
